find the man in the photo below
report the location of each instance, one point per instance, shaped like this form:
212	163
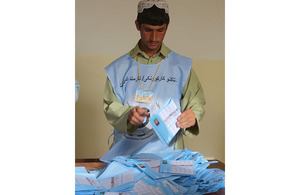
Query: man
141	81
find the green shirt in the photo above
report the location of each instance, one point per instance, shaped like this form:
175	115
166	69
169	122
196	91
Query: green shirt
192	97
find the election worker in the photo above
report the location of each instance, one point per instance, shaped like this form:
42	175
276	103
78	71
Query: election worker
140	82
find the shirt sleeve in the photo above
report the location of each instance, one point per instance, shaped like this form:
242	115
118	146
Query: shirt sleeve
116	113
193	98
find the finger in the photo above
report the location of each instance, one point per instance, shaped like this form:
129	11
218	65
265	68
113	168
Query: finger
185	124
138	118
147	114
135	120
142	111
187	119
188	123
186	113
133	117
182	123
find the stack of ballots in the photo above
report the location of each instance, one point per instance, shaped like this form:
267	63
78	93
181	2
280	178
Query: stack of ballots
167	172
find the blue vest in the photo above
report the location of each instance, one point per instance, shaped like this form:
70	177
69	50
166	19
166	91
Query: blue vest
168	83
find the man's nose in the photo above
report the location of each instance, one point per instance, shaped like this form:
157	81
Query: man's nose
153	36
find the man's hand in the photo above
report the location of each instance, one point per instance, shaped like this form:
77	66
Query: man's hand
136	114
186	119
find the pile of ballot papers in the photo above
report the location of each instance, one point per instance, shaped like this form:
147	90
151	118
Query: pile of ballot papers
167	172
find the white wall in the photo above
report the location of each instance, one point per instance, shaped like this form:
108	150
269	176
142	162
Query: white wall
196	27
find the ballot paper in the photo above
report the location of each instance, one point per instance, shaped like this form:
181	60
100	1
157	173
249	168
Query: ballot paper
183	167
164	121
147	186
86	181
118	180
167	172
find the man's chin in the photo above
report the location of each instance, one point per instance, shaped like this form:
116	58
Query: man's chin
153	47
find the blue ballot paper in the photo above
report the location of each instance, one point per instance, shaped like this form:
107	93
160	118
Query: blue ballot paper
166	172
164	121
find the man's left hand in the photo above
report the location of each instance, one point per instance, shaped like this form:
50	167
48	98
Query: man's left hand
186	119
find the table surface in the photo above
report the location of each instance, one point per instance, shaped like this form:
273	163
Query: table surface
95	164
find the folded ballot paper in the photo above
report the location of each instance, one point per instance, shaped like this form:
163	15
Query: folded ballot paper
164	121
167	172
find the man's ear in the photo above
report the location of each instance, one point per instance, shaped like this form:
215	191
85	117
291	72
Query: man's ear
137	25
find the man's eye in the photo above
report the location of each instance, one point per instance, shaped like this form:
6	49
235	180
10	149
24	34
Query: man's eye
148	30
160	30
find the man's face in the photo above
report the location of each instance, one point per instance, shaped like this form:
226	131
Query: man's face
151	37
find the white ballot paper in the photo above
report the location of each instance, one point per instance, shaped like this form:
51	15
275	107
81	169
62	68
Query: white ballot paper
164	121
118	180
183	167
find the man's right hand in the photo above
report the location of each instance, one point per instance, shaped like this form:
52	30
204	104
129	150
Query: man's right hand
136	115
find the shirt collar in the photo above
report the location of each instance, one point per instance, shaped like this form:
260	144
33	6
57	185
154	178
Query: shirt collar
164	51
